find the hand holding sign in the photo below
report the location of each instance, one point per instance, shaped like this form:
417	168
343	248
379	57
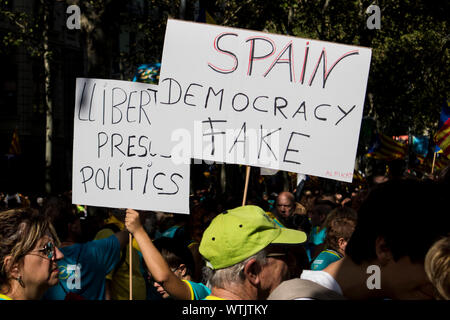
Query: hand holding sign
132	221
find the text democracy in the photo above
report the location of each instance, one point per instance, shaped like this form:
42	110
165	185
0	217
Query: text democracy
198	95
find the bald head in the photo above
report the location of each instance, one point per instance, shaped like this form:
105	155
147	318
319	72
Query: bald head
285	205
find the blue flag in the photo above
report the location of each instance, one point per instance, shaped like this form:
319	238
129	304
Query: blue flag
148	73
420	145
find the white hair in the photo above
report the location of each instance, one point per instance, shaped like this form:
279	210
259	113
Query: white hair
233	274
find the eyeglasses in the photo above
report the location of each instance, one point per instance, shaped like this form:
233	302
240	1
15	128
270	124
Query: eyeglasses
280	253
175	269
48	250
276	254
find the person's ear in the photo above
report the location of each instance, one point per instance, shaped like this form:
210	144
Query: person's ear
252	271
12	271
384	254
342	244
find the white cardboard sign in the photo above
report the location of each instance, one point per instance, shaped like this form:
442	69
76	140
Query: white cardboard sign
118	161
266	100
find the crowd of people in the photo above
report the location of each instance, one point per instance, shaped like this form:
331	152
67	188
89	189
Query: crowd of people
388	239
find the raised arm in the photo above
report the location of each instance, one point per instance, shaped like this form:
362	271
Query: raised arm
155	262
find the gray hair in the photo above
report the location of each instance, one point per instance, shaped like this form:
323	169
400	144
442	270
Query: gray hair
233	274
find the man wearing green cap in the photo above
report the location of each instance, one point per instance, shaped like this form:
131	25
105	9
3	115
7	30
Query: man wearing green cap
246	254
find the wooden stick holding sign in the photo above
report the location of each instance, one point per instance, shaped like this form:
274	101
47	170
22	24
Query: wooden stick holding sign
130	245
247	176
434	161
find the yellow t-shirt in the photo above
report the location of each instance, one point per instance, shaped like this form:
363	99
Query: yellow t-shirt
120	286
274	218
4	297
213	298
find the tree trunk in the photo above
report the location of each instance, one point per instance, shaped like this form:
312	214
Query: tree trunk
48	101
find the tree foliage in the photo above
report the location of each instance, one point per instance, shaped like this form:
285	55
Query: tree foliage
20	29
410	53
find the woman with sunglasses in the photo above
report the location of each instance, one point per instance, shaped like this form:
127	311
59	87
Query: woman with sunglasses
28	255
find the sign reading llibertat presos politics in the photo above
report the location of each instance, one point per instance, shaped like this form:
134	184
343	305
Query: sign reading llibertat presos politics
118	160
246	97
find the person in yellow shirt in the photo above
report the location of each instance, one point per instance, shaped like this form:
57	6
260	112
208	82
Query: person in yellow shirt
117	282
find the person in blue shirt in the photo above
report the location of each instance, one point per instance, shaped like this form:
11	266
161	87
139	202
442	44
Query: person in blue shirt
84	267
170	267
340	225
316	237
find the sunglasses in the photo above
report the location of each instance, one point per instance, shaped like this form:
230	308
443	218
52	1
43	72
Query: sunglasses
276	254
280	253
48	250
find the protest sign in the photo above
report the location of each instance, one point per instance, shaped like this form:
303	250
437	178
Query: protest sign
266	100
117	157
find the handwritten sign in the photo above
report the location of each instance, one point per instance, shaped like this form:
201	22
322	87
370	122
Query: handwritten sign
260	99
117	160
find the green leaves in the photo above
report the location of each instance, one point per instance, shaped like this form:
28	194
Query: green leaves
408	80
23	29
410	62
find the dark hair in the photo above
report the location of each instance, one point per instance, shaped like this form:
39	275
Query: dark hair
199	219
323	208
60	212
175	253
339	227
324	202
340	213
329	187
409	214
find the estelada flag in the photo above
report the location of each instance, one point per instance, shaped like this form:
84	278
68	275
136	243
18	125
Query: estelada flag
386	148
441	162
444	116
204	15
15	146
442	138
